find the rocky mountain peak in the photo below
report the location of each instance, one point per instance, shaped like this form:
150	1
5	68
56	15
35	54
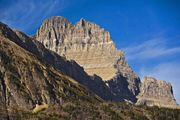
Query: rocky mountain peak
156	92
84	40
59	30
92	47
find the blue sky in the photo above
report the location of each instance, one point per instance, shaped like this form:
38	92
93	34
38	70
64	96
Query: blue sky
147	30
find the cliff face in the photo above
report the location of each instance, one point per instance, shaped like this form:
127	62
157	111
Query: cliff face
85	42
156	93
91	47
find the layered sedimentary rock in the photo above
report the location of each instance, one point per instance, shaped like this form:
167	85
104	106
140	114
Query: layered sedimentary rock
86	43
92	47
156	93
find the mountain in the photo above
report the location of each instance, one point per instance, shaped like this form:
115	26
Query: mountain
156	93
33	87
92	48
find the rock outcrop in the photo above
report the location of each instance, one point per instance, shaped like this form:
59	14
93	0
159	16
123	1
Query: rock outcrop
156	93
92	47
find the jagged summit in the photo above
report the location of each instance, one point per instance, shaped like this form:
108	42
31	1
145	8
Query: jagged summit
60	24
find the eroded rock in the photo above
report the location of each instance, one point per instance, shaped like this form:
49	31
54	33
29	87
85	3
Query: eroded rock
156	93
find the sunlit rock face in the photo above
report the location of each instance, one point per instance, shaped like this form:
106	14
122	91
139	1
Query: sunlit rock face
92	47
156	93
85	42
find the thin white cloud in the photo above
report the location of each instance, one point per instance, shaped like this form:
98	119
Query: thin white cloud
169	71
150	49
24	14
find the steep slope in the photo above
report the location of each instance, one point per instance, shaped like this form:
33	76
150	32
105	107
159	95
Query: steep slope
29	84
156	93
92	48
70	68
